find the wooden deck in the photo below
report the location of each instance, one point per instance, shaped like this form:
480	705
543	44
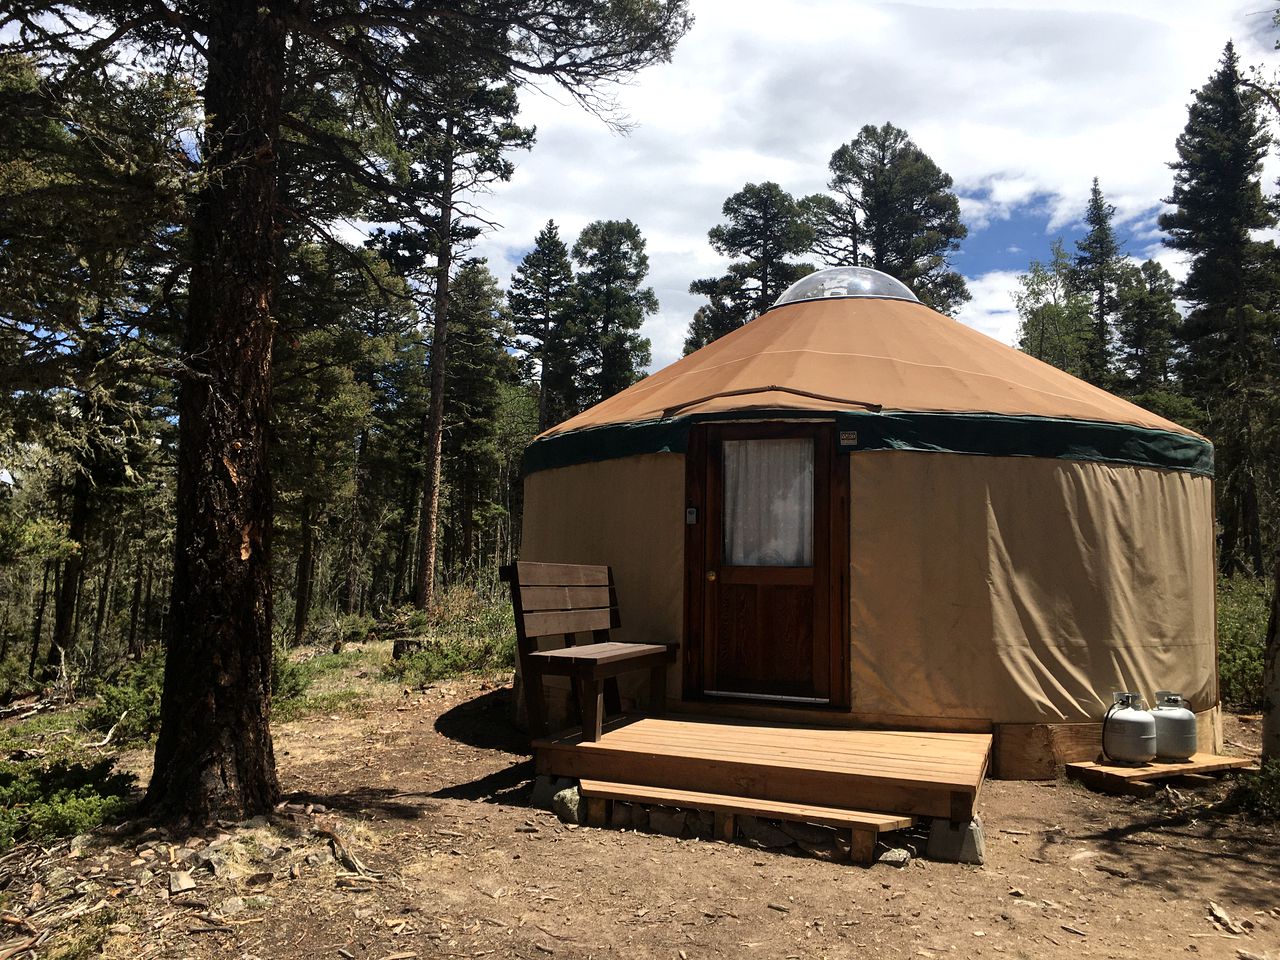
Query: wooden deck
899	772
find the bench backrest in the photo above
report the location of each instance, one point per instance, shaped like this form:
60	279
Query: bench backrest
551	599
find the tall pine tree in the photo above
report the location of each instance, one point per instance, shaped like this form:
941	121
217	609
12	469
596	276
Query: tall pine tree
1147	325
766	228
611	304
893	210
1096	273
1230	334
541	302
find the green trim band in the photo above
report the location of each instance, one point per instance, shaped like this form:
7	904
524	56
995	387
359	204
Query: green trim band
980	434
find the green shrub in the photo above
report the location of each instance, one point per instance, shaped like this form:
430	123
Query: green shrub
471	630
39	801
1243	607
1261	791
136	689
289	680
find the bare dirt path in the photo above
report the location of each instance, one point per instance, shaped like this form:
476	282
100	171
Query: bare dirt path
429	793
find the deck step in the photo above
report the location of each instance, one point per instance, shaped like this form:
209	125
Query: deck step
920	774
722	803
1121	777
864	826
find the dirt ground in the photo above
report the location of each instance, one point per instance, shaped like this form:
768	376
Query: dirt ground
439	855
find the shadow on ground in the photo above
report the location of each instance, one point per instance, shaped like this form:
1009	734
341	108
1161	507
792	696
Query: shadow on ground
484	722
1179	850
366	800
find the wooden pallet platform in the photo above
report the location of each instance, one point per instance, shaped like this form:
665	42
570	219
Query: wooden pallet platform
1123	777
863	827
907	773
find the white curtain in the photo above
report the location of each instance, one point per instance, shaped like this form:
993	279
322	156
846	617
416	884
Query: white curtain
768	503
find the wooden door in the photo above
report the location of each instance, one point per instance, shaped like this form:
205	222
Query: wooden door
765	615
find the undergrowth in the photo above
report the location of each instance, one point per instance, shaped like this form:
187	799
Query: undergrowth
1260	792
471	630
40	800
1243	607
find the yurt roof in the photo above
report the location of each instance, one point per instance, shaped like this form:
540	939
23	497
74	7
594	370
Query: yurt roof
894	373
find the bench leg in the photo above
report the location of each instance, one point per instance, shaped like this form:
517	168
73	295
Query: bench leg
724	827
534	703
658	689
612	698
591	703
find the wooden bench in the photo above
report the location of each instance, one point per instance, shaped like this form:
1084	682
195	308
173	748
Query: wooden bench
567	599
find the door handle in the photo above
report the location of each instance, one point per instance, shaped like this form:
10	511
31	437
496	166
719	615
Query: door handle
711	576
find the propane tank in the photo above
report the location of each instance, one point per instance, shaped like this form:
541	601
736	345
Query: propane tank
1175	726
1128	731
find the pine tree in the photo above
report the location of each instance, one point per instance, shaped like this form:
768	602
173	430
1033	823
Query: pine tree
1230	365
541	302
1147	325
894	211
1095	273
1053	317
611	304
766	227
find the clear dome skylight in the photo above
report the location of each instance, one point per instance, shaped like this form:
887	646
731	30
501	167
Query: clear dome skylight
846	282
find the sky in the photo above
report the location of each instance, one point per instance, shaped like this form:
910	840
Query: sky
1021	102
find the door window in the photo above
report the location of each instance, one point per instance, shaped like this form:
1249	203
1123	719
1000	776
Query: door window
768	503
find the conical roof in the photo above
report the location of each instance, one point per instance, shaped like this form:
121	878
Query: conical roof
885	362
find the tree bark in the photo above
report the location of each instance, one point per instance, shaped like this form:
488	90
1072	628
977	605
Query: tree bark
306	574
1271	672
424	583
37	627
214	756
135	607
67	599
104	601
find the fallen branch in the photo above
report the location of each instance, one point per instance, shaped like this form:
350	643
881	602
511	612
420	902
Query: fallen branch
110	733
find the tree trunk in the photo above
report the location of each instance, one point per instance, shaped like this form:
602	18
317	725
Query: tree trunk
37	627
67	600
1271	672
424	583
135	607
348	597
104	602
214	757
306	574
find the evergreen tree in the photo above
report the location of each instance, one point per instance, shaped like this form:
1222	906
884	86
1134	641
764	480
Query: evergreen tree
894	211
1096	273
1147	325
1230	364
479	369
1053	316
541	302
611	304
766	227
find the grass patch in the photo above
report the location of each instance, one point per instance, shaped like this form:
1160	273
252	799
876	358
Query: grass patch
334	701
1243	607
472	630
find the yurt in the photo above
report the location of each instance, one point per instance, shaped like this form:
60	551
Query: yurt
856	511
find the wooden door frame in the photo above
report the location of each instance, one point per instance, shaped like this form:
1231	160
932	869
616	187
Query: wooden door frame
699	497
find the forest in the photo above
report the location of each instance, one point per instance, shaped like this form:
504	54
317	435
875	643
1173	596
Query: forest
260	393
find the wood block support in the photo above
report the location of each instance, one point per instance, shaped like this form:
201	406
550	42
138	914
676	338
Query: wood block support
862	846
597	811
725	827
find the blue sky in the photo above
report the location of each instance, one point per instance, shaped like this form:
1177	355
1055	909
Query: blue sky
1022	102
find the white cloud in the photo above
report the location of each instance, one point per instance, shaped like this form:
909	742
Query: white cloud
991	310
1022	102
